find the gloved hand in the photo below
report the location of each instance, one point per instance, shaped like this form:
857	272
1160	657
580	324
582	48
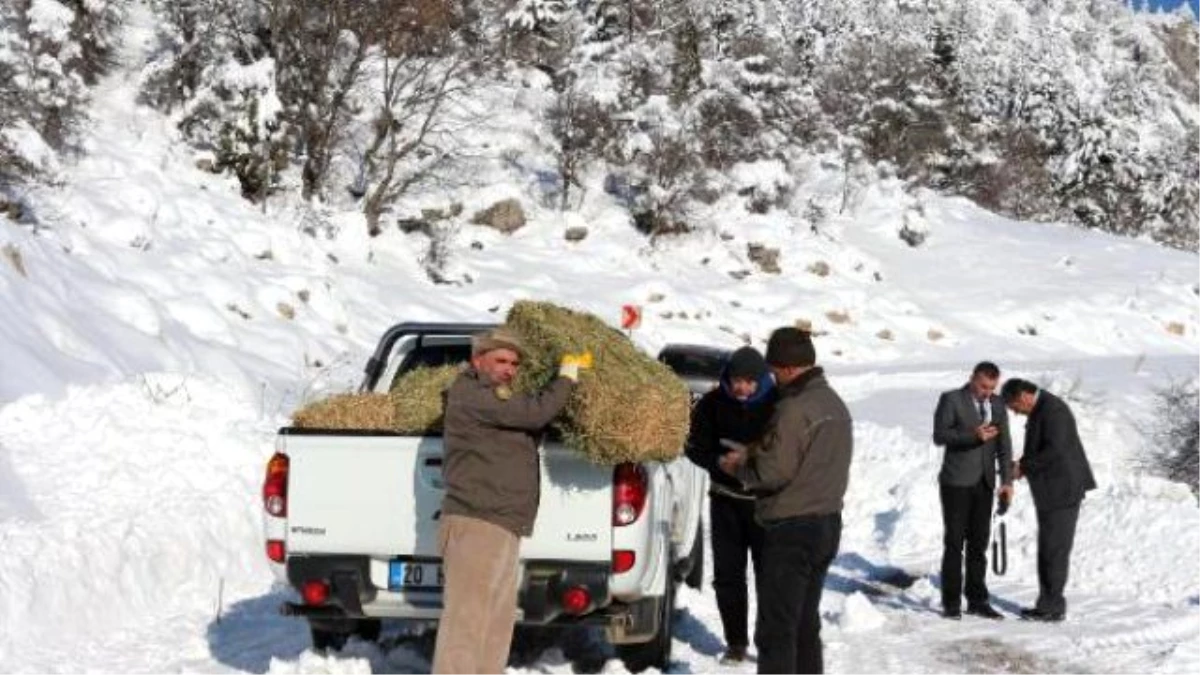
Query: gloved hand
571	364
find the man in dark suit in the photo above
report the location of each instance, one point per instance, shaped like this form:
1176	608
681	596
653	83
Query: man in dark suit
971	423
1059	476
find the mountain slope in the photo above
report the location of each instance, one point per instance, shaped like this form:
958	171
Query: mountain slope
162	328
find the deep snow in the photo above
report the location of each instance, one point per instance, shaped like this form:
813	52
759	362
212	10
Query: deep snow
163	328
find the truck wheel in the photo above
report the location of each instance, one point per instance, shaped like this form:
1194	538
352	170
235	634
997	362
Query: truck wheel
324	640
695	575
333	635
657	652
368	630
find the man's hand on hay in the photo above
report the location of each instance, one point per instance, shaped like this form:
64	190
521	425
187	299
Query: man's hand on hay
571	364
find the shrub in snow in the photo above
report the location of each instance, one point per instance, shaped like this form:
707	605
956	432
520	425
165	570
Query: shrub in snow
1173	439
236	119
766	258
537	33
196	39
96	29
582	128
667	170
914	227
215	64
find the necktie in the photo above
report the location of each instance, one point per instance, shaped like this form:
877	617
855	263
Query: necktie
983	412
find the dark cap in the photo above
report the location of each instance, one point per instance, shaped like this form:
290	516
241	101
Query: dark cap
746	363
790	346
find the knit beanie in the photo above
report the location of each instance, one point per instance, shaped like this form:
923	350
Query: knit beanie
746	363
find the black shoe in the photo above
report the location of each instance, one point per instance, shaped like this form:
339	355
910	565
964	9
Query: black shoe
984	610
732	656
952	613
1035	614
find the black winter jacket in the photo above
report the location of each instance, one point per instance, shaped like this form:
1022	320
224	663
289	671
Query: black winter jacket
718	415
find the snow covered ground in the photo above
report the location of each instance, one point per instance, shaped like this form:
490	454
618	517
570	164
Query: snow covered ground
157	329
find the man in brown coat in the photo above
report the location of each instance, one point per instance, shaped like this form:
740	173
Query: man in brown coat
492	478
798	472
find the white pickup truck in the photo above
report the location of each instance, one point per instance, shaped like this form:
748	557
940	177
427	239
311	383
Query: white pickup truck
351	520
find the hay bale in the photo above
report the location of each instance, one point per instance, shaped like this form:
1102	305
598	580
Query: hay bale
629	407
418	400
371	412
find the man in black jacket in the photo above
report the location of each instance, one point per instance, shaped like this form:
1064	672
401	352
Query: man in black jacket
971	423
736	411
1059	476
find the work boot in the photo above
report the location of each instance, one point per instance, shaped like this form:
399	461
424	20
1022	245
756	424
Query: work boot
733	656
985	610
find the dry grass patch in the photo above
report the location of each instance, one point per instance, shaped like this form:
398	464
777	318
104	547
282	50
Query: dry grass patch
13	255
838	316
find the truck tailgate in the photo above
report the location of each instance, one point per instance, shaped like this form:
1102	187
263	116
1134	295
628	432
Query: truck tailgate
381	495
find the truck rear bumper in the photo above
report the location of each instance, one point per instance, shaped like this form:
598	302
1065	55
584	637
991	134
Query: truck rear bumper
353	595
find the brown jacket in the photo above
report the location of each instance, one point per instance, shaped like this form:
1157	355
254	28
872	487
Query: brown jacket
491	466
802	465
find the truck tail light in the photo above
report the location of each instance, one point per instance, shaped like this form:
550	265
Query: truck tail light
315	592
276	550
275	486
629	493
622	561
576	600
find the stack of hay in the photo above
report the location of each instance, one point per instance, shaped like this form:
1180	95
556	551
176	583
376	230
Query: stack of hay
628	407
413	406
368	412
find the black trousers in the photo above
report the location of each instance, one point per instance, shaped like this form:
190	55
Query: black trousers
734	534
967	519
1056	537
797	553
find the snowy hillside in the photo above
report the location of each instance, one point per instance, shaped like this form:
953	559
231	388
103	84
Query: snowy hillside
157	328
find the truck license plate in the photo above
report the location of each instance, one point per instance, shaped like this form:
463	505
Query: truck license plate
411	574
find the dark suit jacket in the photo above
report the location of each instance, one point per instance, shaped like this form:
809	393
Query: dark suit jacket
967	459
1054	462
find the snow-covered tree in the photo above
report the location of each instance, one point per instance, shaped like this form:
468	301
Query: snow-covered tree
1077	110
50	51
415	73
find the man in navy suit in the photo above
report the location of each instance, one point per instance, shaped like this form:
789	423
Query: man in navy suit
1059	476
